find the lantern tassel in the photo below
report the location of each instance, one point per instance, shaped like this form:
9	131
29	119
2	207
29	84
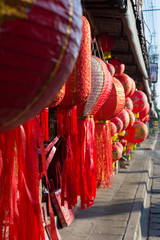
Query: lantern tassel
67	128
6	160
19	182
87	164
103	154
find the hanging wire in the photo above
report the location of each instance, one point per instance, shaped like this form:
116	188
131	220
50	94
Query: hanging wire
94	45
97	49
102	54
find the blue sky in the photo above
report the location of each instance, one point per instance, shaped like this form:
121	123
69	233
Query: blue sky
152	33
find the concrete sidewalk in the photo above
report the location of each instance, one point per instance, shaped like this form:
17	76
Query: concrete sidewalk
118	211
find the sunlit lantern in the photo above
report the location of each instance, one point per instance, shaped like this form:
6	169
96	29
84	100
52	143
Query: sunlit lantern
126	82
104	168
116	152
118	122
131	118
144	111
124	116
113	128
113	104
119	144
137	133
138	98
78	85
133	88
128	104
101	85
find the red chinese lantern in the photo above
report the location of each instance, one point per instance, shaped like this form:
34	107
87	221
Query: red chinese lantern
126	82
133	88
128	104
78	88
106	42
131	118
144	111
116	152
146	118
102	128
138	98
118	122
119	144
78	85
113	104
101	86
111	69
137	133
59	97
118	65
101	83
113	129
124	116
36	55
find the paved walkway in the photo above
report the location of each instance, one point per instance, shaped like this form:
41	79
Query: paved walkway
154	224
118	212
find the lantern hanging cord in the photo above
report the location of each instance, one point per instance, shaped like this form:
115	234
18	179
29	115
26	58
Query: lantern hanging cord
97	48
92	50
102	53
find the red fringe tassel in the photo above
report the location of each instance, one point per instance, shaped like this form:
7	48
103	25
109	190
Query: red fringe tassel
67	128
44	124
87	162
103	148
79	174
19	183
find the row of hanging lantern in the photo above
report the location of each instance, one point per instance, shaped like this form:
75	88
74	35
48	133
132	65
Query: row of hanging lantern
136	106
96	92
127	126
108	111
